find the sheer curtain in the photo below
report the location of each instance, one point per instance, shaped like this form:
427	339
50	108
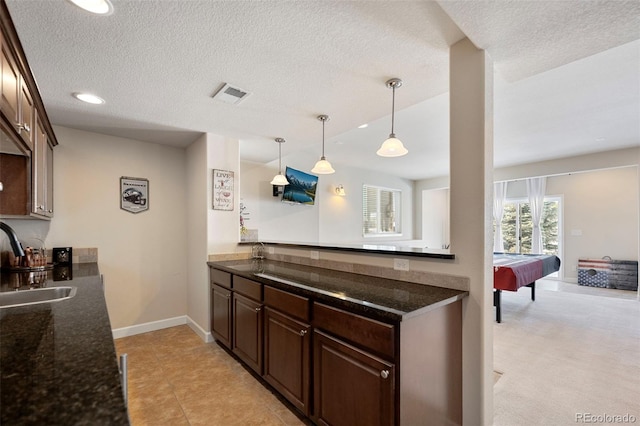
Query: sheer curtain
499	195
536	188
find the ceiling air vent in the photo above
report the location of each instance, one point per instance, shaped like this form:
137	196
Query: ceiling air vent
231	95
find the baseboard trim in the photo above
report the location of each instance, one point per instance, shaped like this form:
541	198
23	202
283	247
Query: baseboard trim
206	336
149	326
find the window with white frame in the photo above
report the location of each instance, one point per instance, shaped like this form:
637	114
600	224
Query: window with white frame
517	226
380	211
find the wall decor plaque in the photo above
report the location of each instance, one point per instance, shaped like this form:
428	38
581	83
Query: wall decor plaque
222	190
134	194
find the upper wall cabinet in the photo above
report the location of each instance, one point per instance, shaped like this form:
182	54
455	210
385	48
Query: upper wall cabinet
26	135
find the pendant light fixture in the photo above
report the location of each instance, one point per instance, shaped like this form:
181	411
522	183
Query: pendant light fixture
323	167
392	147
280	179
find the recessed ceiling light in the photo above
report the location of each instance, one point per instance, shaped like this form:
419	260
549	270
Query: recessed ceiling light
362	126
89	98
99	7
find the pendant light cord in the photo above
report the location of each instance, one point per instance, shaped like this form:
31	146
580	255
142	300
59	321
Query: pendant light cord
323	139
393	107
280	157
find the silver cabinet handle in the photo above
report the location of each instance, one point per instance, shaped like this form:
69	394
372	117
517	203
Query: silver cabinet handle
124	378
303	332
23	126
384	374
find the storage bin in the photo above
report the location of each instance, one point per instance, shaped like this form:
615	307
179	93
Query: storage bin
608	273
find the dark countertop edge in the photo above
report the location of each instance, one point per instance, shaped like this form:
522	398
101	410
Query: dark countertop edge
367	310
436	305
396	251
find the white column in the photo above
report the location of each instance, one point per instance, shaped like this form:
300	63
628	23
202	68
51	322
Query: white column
471	157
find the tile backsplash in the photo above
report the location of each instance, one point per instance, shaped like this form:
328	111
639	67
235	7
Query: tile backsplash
80	255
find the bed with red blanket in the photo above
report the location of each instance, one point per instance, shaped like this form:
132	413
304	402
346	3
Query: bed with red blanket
513	270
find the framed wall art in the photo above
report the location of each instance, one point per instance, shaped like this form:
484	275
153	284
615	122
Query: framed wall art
222	190
134	194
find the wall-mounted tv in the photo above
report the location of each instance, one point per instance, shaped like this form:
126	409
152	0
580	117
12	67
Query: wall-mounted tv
302	187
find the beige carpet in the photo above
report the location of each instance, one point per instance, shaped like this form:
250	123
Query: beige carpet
566	357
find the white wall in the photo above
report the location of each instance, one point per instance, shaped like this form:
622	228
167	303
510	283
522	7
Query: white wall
600	194
332	219
210	231
197	273
275	220
603	207
435	218
143	255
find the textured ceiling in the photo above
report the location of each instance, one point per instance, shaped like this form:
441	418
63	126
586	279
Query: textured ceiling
566	73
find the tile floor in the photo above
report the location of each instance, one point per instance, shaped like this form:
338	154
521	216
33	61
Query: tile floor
177	379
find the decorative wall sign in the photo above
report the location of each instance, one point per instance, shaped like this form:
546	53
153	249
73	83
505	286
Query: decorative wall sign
222	190
134	194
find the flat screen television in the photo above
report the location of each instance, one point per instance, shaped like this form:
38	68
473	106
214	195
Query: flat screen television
301	189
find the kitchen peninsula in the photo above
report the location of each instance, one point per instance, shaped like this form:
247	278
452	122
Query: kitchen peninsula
341	347
58	362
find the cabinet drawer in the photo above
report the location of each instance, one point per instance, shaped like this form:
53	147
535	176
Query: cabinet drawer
220	277
291	304
247	287
371	334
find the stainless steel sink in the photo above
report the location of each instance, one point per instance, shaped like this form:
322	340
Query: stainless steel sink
38	295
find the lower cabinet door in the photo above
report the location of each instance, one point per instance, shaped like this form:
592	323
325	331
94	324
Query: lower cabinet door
221	314
247	331
287	345
351	386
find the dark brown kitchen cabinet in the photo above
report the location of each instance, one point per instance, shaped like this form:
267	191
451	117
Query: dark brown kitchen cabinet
351	386
16	102
341	366
42	203
221	307
25	131
353	369
247	322
10	89
221	314
287	346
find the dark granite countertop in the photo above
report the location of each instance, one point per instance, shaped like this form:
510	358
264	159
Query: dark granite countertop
371	296
58	362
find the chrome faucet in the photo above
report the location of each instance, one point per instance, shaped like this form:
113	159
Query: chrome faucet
13	239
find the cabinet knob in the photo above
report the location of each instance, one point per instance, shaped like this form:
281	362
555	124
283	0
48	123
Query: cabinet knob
228	295
258	309
384	374
303	332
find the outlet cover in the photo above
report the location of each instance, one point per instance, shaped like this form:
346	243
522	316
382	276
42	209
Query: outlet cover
314	254
270	250
401	264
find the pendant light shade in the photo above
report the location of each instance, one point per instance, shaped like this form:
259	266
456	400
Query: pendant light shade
392	147
279	179
323	167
